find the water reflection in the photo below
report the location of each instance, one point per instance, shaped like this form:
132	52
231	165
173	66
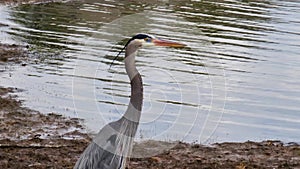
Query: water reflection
242	55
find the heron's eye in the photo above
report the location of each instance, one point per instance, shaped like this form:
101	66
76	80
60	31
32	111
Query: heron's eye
147	40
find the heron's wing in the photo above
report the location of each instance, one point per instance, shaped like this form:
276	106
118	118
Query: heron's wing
101	153
95	157
110	147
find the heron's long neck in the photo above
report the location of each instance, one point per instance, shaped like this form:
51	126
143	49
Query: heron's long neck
134	109
130	65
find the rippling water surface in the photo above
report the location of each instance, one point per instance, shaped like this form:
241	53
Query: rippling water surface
237	80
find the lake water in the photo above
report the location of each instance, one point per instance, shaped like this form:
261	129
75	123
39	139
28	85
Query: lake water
238	79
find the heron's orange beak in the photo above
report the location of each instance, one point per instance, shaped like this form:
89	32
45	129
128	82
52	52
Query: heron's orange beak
159	42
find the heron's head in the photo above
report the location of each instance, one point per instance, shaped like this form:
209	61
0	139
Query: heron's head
145	40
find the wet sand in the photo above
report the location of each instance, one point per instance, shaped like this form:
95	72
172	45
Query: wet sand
30	139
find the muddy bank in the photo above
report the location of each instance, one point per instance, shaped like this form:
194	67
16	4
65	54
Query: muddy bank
13	53
266	154
29	139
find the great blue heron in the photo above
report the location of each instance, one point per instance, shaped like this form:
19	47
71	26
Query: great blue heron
113	144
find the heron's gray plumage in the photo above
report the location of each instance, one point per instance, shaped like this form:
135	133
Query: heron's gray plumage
113	144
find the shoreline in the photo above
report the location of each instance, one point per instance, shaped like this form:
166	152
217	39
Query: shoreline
30	139
45	147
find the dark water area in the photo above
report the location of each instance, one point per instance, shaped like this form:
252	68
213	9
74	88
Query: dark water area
237	80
